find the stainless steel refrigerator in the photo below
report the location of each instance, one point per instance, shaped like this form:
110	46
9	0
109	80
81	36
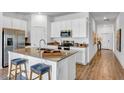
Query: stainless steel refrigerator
11	39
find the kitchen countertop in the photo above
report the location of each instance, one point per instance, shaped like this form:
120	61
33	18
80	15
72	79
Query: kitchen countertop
72	46
38	53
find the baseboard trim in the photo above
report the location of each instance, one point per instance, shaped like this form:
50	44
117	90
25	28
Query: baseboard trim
118	61
93	57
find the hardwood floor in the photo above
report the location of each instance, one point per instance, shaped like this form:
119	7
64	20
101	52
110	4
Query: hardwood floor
3	73
104	66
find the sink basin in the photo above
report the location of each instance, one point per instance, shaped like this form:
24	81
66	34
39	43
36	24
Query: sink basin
44	49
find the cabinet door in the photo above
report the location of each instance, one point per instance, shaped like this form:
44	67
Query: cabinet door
68	25
23	25
7	22
79	27
63	26
55	29
75	28
72	67
16	24
37	33
38	20
80	57
62	70
83	27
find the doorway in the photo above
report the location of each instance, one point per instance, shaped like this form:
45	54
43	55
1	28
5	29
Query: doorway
107	41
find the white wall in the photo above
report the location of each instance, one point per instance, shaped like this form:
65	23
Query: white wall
0	40
120	24
92	49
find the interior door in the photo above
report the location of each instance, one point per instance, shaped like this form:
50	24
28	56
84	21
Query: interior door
107	40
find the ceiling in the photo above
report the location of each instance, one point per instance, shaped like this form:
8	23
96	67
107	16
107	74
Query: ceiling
99	17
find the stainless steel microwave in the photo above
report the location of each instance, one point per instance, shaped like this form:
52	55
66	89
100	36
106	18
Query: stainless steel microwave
66	34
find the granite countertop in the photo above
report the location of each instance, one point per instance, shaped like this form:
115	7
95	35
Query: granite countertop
38	53
71	46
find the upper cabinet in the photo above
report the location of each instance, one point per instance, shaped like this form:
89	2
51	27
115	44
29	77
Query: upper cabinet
19	24
14	23
7	22
55	29
66	25
39	20
77	26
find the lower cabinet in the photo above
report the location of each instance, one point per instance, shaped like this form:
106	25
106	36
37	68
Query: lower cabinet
81	57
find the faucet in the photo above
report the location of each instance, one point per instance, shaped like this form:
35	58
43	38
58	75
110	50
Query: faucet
40	43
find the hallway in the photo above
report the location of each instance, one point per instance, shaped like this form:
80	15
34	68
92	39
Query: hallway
103	67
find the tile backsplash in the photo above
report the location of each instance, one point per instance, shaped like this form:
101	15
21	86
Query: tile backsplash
76	40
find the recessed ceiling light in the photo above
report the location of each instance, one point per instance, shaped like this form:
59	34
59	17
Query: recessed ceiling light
106	19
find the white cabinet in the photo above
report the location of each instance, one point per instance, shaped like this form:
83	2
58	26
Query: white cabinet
83	27
14	23
66	68
23	25
81	56
7	22
62	70
55	29
38	20
75	28
79	27
65	25
72	67
68	25
19	24
37	33
38	29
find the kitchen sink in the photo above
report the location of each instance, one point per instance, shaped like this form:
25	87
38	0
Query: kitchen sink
44	49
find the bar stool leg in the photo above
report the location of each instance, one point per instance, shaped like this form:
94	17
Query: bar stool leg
26	71
40	77
20	71
31	75
49	75
15	72
10	71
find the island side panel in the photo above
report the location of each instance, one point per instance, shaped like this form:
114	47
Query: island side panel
66	68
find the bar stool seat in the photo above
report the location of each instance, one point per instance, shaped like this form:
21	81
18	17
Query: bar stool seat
40	69
18	62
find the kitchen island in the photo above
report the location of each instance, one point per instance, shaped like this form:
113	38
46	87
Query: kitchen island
62	67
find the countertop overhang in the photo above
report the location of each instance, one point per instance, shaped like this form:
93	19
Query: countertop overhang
38	53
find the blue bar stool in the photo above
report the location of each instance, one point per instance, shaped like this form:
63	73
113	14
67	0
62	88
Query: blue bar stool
18	62
40	69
